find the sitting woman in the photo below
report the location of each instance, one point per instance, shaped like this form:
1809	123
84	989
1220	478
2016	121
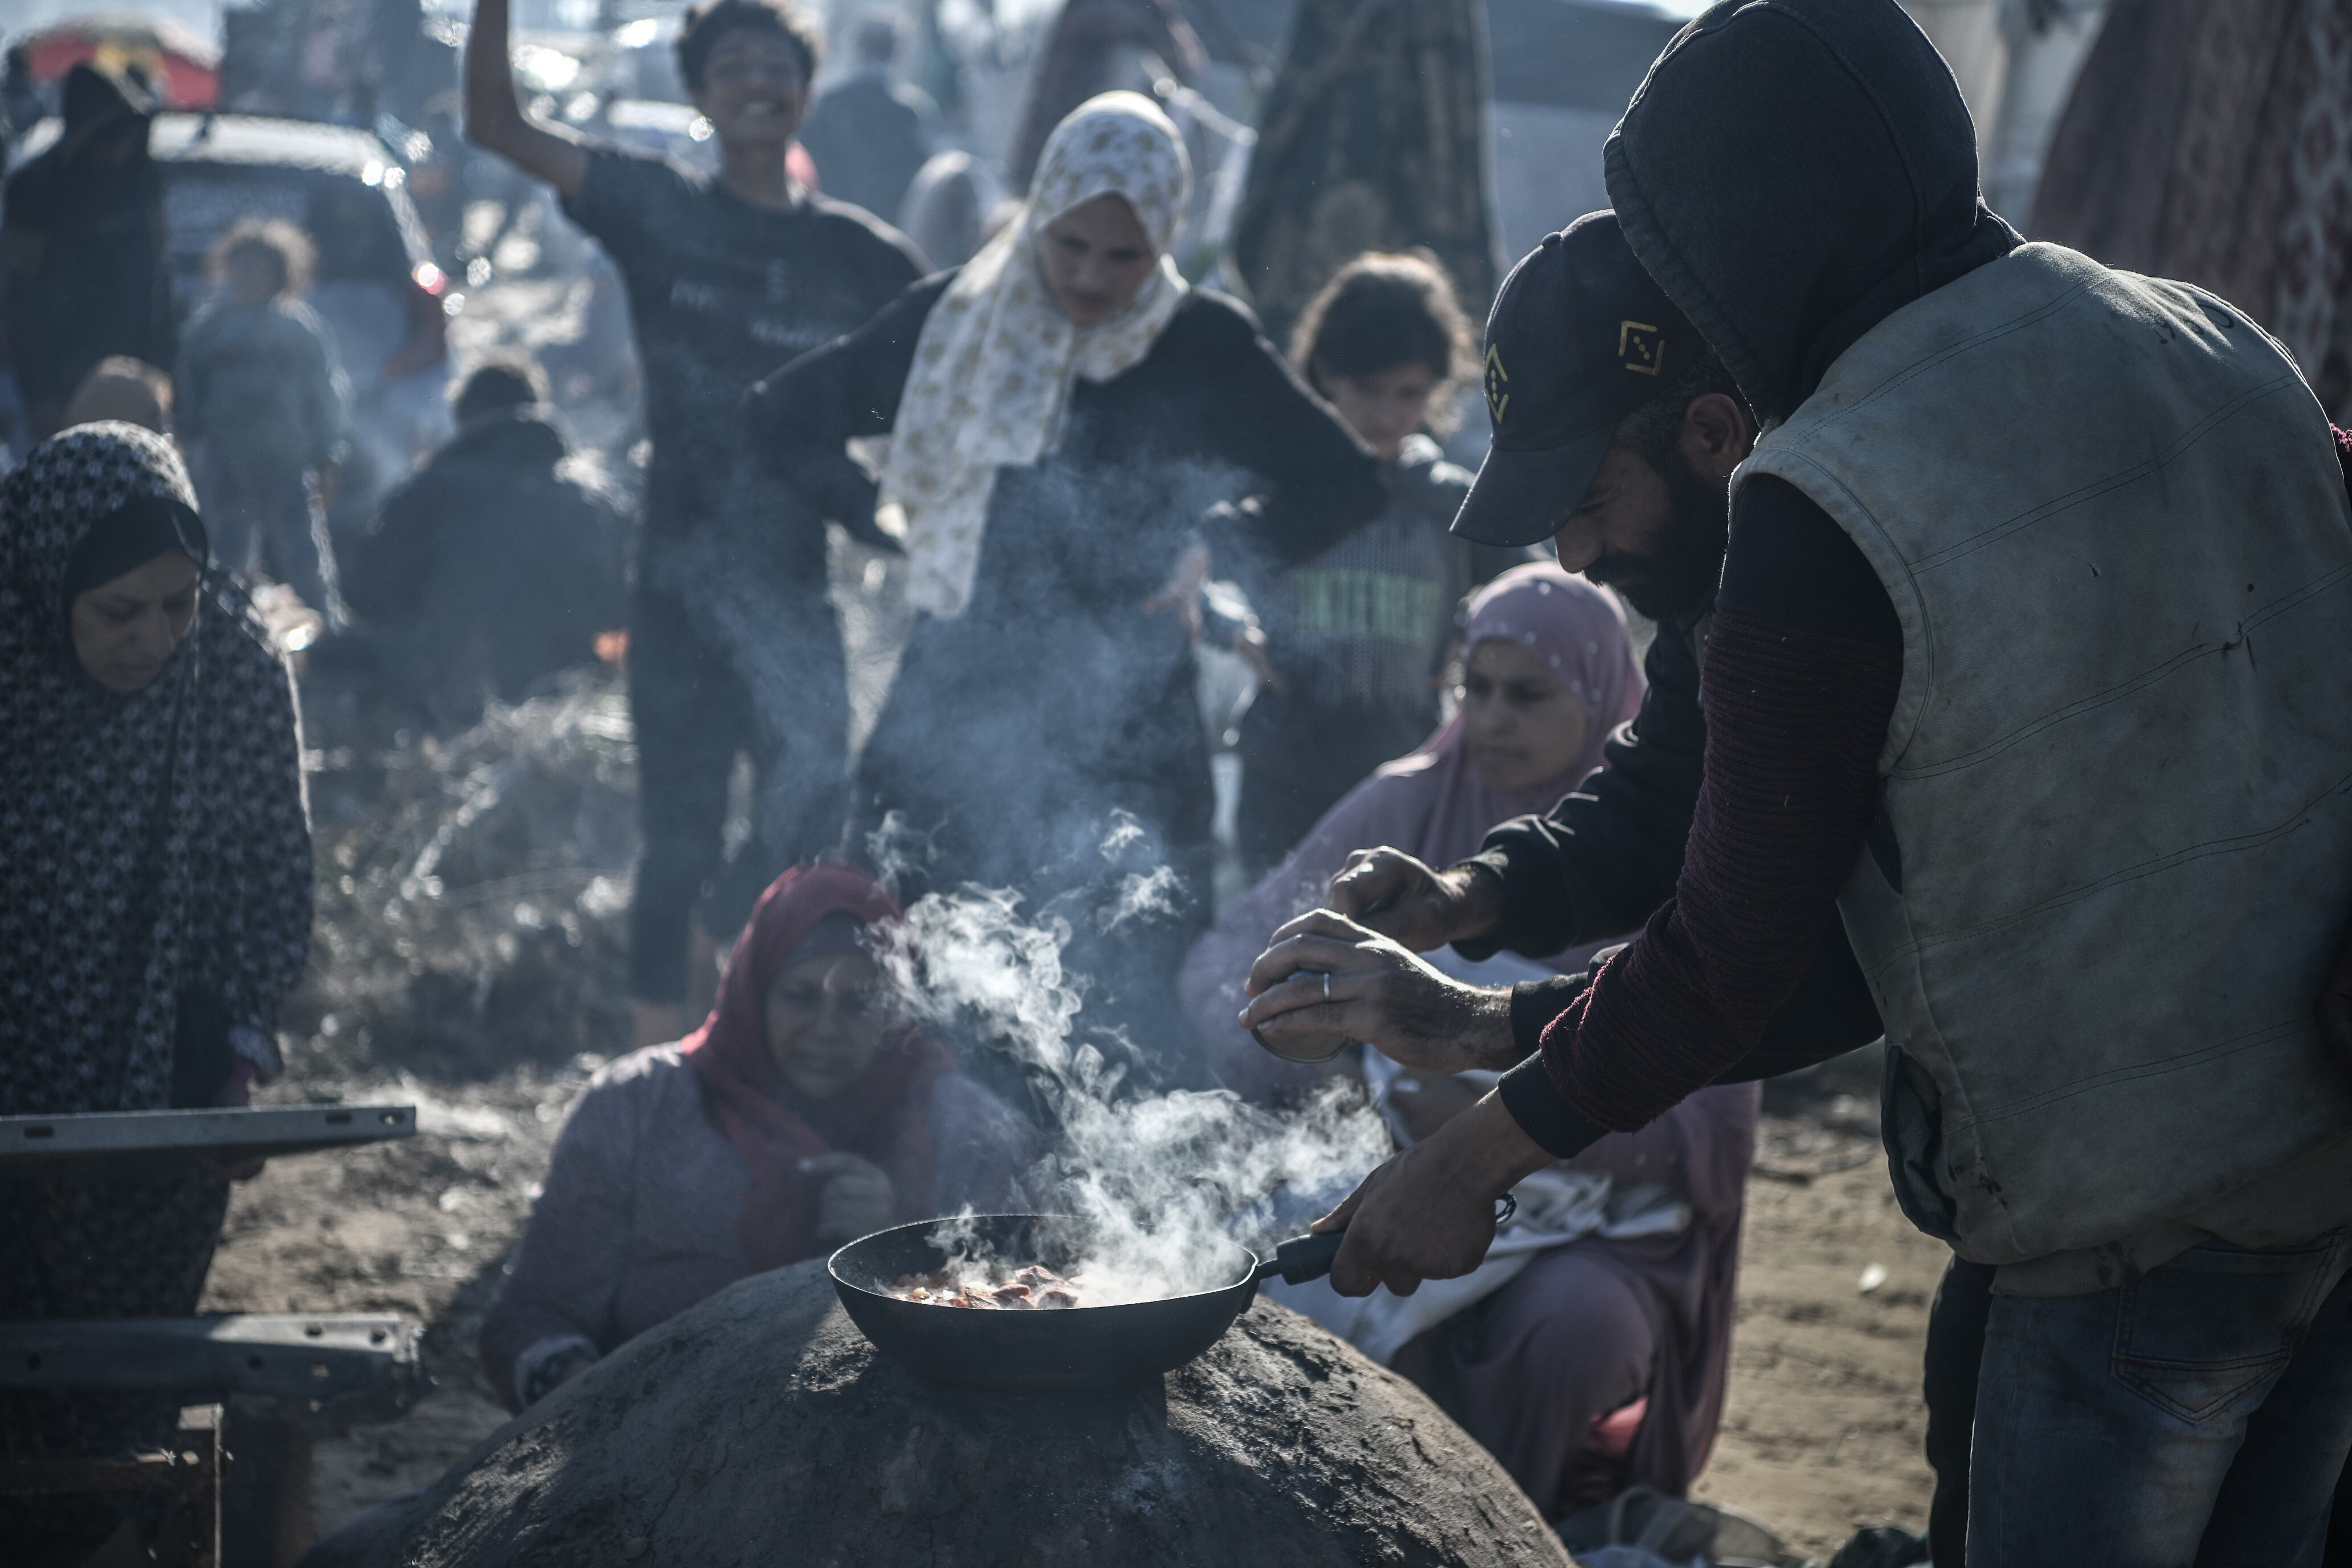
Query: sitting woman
804	1114
154	906
1064	409
1590	1352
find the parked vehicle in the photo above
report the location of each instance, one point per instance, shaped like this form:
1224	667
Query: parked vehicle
376	286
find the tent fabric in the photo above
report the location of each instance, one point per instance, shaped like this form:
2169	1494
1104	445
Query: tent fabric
2211	140
182	69
1087	53
1374	137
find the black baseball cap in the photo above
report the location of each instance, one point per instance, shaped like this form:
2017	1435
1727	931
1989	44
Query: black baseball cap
1579	337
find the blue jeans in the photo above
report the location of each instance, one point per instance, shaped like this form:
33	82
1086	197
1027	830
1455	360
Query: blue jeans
2197	1416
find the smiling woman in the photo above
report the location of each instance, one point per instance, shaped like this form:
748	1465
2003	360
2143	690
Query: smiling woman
1600	1363
1550	673
1522	723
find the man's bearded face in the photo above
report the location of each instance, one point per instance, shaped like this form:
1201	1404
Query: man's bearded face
1656	535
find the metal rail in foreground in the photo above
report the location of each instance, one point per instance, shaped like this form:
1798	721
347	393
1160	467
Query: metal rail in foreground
328	1358
133	1143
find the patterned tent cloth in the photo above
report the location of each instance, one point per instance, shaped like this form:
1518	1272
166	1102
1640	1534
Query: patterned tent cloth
1373	139
2211	140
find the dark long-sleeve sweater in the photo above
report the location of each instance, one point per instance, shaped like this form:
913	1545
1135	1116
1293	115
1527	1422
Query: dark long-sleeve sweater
1052	727
1744	971
1054	688
1211	394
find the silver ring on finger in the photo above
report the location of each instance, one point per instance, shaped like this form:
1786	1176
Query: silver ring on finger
1326	985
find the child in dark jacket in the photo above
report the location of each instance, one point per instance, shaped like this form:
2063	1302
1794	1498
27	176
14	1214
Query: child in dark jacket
264	411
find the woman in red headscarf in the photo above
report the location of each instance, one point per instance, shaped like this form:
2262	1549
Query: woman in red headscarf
805	1112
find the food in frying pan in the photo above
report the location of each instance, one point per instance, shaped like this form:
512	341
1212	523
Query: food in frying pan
1034	1289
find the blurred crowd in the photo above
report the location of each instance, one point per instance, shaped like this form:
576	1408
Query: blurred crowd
1218	664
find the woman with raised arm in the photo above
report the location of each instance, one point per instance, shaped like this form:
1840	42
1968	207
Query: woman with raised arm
1064	409
734	646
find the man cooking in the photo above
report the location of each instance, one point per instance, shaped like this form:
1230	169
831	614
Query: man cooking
1666	415
2026	661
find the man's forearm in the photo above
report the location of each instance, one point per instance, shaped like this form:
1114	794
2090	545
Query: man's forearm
1482	1025
1490	1150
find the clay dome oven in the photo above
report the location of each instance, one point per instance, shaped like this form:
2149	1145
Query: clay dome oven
761	1428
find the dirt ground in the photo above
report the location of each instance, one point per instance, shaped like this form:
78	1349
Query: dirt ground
1821	1434
1822	1428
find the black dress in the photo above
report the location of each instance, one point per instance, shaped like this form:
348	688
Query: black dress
1048	739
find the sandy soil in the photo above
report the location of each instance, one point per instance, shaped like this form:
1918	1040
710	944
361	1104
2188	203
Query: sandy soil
420	1227
1823	1431
1824	1419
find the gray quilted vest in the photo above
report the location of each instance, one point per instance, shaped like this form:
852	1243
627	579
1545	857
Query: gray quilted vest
2114	858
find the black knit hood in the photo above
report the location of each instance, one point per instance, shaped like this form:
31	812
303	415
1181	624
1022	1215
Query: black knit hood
1792	173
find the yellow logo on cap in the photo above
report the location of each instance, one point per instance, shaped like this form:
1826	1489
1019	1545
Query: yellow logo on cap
1641	347
1498	379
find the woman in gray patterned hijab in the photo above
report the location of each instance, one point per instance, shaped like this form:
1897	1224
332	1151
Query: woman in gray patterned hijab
155	876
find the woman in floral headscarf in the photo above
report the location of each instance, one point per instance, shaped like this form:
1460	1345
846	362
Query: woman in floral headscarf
1064	411
155	890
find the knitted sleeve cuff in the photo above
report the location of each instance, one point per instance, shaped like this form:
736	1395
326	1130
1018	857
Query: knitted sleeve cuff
1543	1113
1535	1003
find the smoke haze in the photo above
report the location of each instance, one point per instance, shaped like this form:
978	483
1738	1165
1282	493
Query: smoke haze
1162	1180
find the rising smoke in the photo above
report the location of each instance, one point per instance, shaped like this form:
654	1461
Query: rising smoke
1165	1181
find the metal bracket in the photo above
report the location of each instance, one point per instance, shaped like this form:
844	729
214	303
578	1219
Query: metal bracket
114	1143
328	1360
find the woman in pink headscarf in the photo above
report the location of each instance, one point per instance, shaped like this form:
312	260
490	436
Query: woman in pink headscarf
1601	1363
1549	671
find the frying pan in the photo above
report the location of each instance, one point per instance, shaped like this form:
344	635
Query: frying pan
1061	1348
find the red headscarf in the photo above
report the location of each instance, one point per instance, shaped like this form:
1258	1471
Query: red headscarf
880	1115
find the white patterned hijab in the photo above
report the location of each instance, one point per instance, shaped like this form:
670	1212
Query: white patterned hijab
997	357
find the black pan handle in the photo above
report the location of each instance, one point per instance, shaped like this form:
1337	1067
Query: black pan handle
1302	1257
1311	1257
